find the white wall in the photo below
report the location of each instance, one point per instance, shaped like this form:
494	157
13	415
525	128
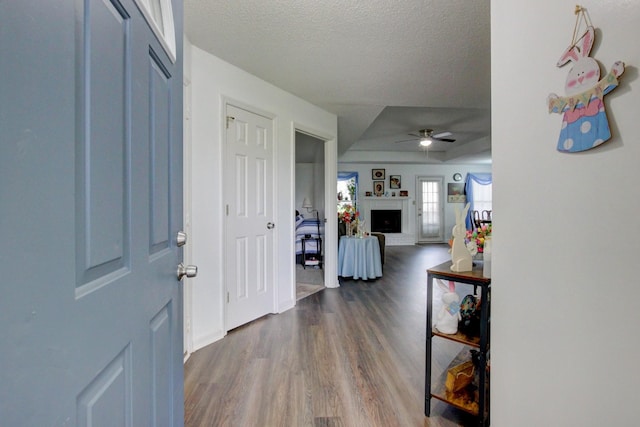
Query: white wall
310	184
408	173
212	82
565	316
305	185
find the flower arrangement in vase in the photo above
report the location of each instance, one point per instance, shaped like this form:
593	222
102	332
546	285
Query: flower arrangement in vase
348	215
477	238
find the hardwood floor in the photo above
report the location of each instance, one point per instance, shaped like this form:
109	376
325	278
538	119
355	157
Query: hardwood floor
351	356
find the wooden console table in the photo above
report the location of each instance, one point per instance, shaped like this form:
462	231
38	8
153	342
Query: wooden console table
481	343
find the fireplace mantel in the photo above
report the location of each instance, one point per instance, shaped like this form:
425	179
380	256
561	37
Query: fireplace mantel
367	204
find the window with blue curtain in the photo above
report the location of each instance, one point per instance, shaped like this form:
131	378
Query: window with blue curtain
344	179
477	186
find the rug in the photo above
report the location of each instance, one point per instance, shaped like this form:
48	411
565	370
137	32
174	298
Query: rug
308	281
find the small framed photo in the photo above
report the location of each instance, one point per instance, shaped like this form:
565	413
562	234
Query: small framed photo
395	181
404	193
367	193
377	174
378	188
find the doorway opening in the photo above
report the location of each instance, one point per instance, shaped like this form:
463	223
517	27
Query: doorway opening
310	214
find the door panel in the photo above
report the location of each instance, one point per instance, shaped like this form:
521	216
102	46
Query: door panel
160	154
91	181
108	396
249	271
102	146
162	342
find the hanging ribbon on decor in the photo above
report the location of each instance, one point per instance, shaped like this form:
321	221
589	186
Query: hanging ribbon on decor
584	123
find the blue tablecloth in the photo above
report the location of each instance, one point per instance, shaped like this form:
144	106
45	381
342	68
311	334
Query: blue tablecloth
359	257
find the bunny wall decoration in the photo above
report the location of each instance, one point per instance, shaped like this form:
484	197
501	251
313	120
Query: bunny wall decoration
449	315
460	255
584	123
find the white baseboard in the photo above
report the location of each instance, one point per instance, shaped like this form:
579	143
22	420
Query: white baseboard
205	340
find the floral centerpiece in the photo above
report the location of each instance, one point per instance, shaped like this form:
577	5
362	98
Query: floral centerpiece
347	213
349	216
475	239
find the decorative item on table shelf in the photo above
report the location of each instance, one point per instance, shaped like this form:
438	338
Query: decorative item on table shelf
460	255
470	315
361	231
449	315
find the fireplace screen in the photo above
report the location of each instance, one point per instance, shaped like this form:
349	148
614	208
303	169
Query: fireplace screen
386	221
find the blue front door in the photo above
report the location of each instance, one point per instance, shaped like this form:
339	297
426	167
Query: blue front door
90	200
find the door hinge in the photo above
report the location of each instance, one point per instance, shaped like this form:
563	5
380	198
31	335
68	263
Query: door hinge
227	208
227	297
229	120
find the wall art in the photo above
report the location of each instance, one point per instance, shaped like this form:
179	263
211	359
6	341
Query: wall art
584	122
378	188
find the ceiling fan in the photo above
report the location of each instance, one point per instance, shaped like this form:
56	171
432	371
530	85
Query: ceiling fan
426	137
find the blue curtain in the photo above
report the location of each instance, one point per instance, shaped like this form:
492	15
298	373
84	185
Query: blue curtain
343	176
480	178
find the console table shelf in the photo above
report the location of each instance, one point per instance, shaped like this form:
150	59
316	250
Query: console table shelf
474	398
465	399
460	337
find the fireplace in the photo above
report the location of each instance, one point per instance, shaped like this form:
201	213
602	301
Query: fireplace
386	220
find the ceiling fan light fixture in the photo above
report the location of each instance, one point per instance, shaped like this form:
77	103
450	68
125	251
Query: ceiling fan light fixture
425	142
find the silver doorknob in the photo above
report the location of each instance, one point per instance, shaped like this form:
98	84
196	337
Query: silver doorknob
187	270
181	238
270	225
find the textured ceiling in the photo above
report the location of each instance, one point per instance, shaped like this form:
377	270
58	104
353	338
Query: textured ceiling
384	67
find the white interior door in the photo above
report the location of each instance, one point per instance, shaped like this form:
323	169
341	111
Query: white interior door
430	209
249	240
90	190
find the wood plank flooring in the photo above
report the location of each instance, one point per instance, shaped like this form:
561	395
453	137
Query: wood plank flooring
351	356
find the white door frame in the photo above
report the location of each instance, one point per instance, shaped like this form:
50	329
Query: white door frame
419	201
187	290
330	244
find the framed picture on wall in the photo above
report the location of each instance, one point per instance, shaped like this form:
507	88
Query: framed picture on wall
378	188
455	193
377	174
394	181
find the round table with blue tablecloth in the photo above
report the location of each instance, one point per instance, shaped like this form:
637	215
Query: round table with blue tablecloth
359	257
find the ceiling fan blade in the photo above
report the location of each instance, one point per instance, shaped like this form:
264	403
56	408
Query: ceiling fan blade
442	135
444	139
409	140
